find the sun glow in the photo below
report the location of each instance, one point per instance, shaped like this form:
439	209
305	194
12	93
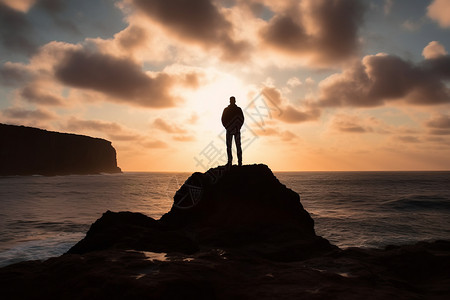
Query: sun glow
209	101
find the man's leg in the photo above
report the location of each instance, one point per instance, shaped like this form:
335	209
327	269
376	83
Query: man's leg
237	139
229	136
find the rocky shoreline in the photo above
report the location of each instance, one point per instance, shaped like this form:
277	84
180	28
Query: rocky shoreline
233	233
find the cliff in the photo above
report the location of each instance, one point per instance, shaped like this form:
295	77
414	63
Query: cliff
231	234
29	151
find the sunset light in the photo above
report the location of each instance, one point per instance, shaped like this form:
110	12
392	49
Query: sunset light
362	86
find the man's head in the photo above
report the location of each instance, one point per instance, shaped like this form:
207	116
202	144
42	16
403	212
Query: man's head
232	100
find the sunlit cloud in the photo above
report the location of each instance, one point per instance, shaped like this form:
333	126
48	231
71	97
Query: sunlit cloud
165	126
383	78
19	5
434	49
439	11
157	84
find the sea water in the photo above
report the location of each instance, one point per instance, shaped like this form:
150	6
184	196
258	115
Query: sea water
41	217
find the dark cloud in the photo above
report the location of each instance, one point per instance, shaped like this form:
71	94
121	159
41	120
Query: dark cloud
167	127
285	34
36	95
273	94
13	74
324	30
291	114
284	135
75	124
347	126
120	78
55	9
197	21
134	38
15	31
408	139
26	114
439	125
440	66
378	79
53	6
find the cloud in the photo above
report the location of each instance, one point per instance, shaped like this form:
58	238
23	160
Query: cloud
53	6
19	5
193	119
14	74
167	127
349	124
284	135
184	138
323	31
119	77
291	114
200	22
439	11
26	114
439	125
154	144
408	139
113	131
34	94
413	26
15	30
293	82
381	78
434	49
388	4
75	124
132	37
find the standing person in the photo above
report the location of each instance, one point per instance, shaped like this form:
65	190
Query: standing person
232	120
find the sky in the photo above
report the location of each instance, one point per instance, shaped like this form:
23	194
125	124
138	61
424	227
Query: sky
325	85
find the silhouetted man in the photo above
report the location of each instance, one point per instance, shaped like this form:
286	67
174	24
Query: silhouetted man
232	120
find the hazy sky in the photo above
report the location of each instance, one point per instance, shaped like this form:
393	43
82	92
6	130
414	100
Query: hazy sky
324	84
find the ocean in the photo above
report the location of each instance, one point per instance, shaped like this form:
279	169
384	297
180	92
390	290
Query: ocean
41	217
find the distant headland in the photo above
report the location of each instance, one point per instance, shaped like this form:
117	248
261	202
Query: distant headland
33	151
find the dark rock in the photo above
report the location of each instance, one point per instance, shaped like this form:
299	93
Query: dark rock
29	151
242	207
127	230
231	234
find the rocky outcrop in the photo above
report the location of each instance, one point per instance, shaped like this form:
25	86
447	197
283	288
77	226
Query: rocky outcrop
29	151
231	234
243	208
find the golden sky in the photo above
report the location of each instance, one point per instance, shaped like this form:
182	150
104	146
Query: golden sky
324	84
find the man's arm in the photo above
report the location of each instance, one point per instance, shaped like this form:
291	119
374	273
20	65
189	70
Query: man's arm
241	117
224	117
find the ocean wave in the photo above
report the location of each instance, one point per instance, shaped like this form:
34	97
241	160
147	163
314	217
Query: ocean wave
39	249
419	202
